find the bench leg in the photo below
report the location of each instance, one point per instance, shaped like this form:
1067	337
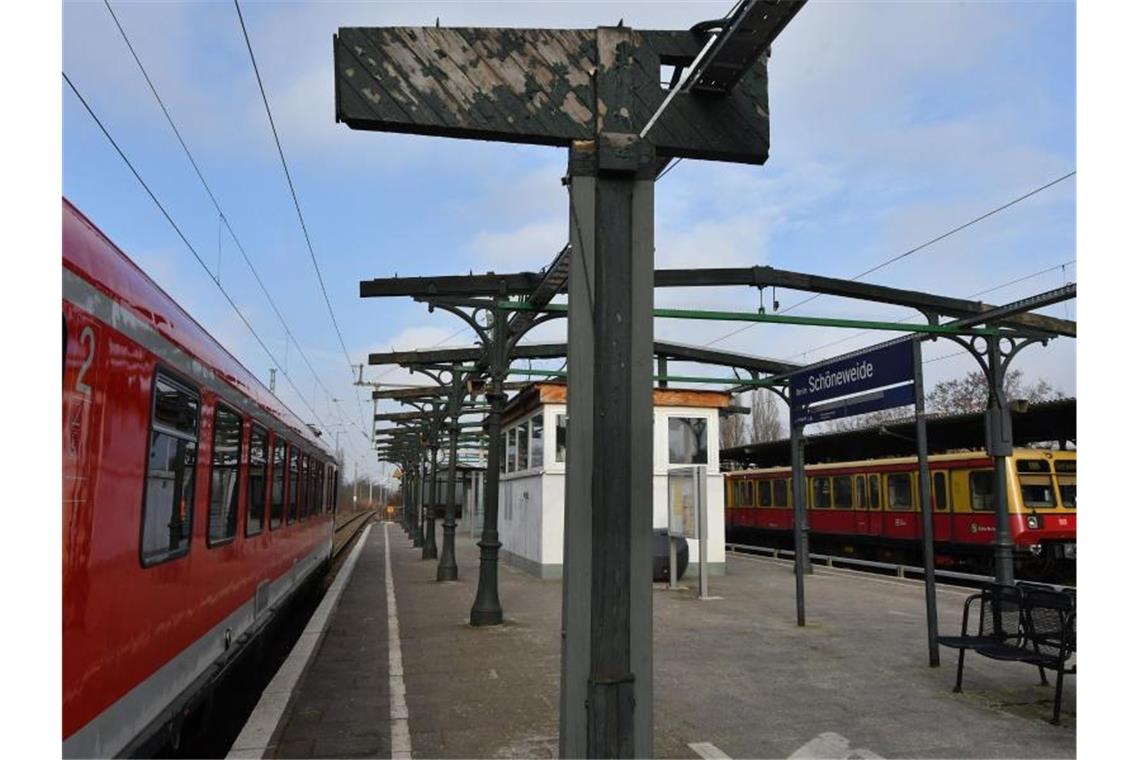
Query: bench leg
1057	696
961	661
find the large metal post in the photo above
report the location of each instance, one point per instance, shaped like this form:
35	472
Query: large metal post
448	570
927	506
799	517
999	445
417	486
487	610
607	614
430	550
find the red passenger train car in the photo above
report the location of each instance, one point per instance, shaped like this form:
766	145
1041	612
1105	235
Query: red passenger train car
194	503
870	508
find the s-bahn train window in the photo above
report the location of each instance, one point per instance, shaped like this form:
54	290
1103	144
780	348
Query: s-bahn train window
982	490
1067	481
1037	491
780	492
743	493
764	492
294	487
873	492
940	491
898	491
277	491
223	511
860	492
842	491
688	440
258	476
821	493
168	495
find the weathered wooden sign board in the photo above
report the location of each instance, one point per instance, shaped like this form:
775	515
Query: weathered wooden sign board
541	86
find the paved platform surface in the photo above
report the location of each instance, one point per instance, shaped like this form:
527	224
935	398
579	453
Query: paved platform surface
734	677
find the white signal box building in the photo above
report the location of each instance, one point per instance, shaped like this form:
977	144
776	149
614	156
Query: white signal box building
532	476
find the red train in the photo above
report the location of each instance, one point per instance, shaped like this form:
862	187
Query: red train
870	509
194	503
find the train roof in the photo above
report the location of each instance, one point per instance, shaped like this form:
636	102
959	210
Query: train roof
90	254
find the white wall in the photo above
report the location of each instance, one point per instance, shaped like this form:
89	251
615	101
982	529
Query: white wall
532	526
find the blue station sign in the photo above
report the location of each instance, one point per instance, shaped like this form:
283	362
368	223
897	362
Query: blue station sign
854	376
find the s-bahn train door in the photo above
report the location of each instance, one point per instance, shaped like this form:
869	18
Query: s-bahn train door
862	522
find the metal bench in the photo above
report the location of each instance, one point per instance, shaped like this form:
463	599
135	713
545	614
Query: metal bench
1030	623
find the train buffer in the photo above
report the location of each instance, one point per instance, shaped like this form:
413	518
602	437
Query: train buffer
734	677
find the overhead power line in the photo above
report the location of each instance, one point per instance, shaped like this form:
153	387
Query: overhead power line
222	215
918	248
191	248
296	202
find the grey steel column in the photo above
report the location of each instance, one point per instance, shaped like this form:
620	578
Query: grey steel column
927	506
417	486
799	518
607	560
487	610
448	570
999	445
430	550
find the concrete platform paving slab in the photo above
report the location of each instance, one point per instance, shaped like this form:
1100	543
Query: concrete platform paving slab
734	677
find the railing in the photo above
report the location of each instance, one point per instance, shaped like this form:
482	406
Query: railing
901	571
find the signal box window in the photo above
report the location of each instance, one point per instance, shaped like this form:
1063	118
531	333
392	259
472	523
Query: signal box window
821	493
224	476
168	496
522	446
294	487
688	440
842	492
982	490
512	451
560	438
258	475
898	492
940	491
277	492
536	441
765	492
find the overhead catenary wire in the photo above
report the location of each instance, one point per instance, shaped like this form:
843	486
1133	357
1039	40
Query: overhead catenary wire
920	247
223	218
191	248
297	203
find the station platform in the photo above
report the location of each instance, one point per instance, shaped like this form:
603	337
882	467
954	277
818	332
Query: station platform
734	676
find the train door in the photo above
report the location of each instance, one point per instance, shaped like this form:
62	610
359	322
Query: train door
860	506
874	505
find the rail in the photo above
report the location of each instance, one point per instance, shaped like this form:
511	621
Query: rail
346	531
901	571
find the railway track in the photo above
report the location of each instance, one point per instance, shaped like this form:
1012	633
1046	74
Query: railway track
348	529
953	577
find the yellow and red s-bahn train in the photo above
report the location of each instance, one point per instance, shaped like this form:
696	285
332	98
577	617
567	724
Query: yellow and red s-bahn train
870	509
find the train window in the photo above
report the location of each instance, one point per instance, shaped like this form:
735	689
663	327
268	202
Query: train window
302	487
982	490
294	487
335	487
1032	465
560	437
222	516
780	493
688	440
898	491
842	492
821	493
168	496
860	492
1065	465
1068	492
873	491
940	502
742	493
277	491
764	488
323	489
258	475
1037	491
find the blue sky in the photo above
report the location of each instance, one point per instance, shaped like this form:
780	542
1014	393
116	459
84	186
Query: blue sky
891	124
